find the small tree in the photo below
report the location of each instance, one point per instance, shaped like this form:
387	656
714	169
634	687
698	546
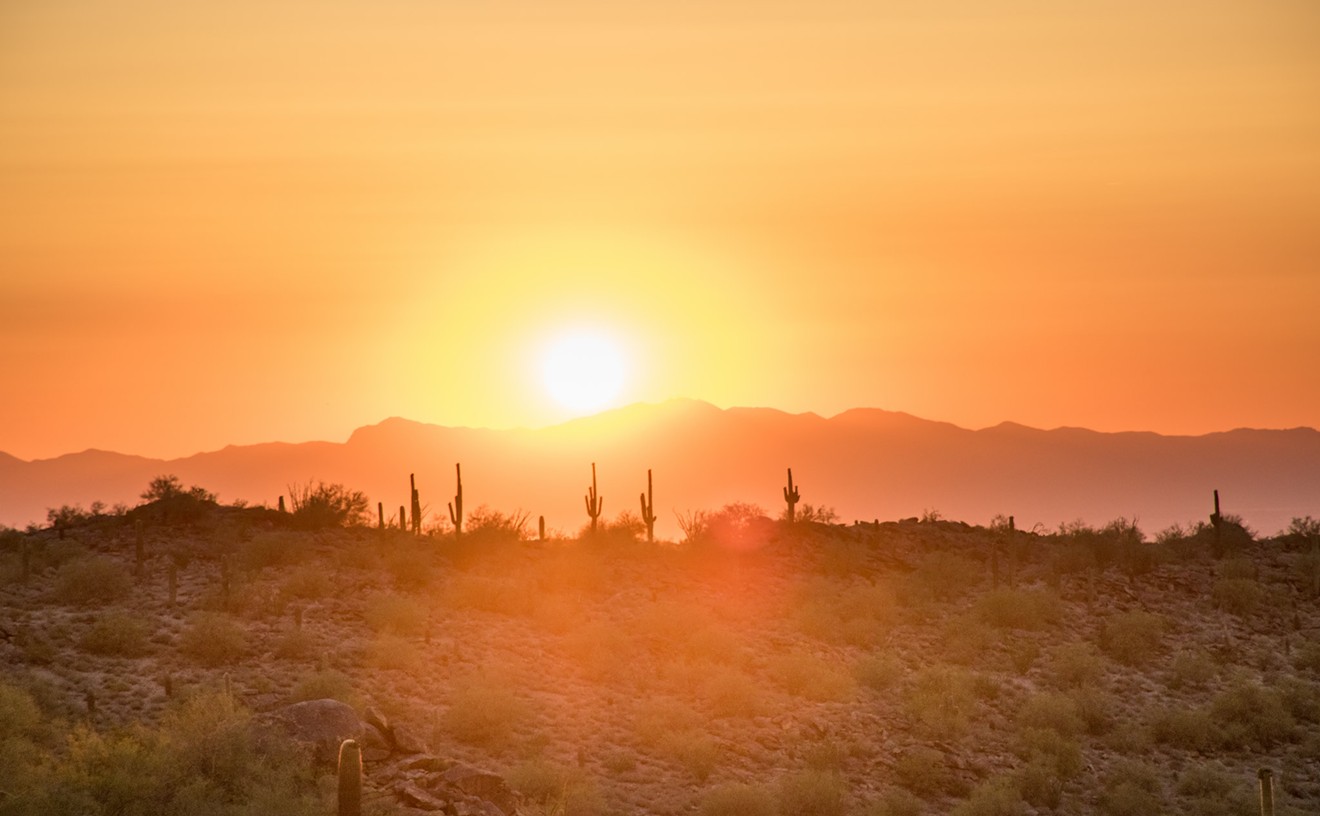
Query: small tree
327	505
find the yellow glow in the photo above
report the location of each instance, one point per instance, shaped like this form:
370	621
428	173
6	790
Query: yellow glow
583	370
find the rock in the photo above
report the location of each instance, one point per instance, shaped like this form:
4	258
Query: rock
413	796
407	741
375	745
322	724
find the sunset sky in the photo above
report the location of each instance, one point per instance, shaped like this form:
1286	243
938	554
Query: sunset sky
247	221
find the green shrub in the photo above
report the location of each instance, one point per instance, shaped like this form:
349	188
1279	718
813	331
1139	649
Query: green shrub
272	549
729	693
296	644
997	796
556	789
1132	638
326	684
1252	718
1212	791
1060	753
117	634
1051	710
879	671
1131	787
804	675
213	639
924	771
1007	608
856	613
696	752
322	505
1191	670
812	793
1040	784
395	614
390	651
1189	729
91	582
945	576
1075	665
941	700
309	582
1238	596
738	800
483	713
1095	707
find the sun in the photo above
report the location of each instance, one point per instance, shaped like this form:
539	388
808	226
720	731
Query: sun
583	370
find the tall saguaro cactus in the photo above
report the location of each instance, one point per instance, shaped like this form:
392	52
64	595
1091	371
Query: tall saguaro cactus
1217	522
593	500
648	510
791	497
350	778
456	506
416	505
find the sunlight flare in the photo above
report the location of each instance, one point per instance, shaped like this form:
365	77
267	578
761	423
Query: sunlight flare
583	370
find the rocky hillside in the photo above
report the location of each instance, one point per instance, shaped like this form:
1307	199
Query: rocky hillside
885	668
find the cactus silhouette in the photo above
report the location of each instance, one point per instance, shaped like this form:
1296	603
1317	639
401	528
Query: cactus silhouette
791	497
456	506
648	510
594	502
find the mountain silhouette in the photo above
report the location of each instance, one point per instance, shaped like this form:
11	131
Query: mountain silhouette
866	463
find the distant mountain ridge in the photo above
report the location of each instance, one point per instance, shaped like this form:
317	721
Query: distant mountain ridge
867	463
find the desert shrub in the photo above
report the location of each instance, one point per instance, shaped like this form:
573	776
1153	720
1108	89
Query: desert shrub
1300	697
19	715
811	793
487	526
1075	664
411	569
894	802
738	527
1008	608
326	684
395	614
878	671
295	644
1213	791
322	505
1307	657
91	582
1039	784
997	796
1023	655
1095	707
945	576
502	596
924	771
730	693
1190	729
1051	710
1058	752
1237	568
1131	787
1191	670
1251	717
804	675
389	651
1238	596
213	639
941	700
857	612
695	752
483	713
966	640
117	634
1132	638
738	800
309	582
652	720
272	549
555	788
601	651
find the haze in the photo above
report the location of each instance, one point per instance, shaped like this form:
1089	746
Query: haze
231	223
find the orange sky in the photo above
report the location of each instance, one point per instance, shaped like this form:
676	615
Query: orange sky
223	223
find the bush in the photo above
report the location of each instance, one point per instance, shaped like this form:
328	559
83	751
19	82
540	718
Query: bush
941	701
395	614
895	802
1238	596
812	793
738	800
1051	710
91	582
322	505
1007	608
1189	729
117	634
1191	670
995	797
1252	718
213	640
879	672
555	788
923	771
326	684
945	576
1076	665
698	753
1131	787
1132	638
483	713
1061	754
803	675
729	693
856	613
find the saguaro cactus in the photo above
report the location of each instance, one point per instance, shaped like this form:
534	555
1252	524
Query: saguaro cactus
350	778
540	528
380	515
456	506
416	505
648	510
281	504
593	500
1217	522
403	517
791	497
1266	777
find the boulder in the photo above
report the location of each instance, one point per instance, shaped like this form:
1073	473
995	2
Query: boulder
322	724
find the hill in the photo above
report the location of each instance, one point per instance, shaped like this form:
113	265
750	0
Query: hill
757	668
867	464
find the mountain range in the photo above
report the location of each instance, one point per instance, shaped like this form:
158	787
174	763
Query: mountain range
866	464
